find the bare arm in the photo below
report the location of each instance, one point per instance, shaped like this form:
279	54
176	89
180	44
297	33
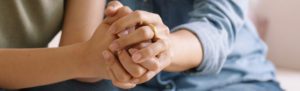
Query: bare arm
81	20
21	68
187	51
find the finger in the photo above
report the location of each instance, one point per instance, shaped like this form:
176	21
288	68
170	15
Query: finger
121	12
143	44
164	61
132	68
119	72
133	19
126	32
143	33
123	85
108	57
139	46
146	77
150	51
113	64
112	8
119	84
132	50
151	64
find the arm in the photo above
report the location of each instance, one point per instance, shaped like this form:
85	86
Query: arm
81	20
21	68
187	51
204	43
215	24
51	65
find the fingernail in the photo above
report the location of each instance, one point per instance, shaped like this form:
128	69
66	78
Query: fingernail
124	33
131	51
136	57
105	54
114	46
113	7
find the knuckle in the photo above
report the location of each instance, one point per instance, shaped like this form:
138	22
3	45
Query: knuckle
139	14
147	52
153	64
138	72
111	3
147	77
124	78
156	16
120	41
126	10
156	65
146	33
114	2
165	28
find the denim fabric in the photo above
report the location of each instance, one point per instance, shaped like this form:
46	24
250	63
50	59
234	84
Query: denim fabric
234	55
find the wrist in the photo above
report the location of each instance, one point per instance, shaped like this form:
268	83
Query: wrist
187	50
75	56
170	68
89	56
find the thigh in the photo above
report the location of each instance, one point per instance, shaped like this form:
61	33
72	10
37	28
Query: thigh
251	86
73	85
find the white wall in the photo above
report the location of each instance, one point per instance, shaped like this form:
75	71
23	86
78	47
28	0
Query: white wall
283	36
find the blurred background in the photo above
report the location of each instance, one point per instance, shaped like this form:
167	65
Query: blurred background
278	22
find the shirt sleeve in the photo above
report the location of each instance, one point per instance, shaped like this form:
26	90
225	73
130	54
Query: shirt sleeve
215	23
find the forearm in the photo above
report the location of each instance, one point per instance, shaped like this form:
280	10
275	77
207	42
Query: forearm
186	51
22	68
82	17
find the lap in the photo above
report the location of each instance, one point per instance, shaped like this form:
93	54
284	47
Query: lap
251	86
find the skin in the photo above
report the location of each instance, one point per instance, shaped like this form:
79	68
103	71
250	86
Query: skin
81	22
80	58
77	58
183	45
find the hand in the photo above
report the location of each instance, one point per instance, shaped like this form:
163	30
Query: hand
147	54
101	38
121	71
116	9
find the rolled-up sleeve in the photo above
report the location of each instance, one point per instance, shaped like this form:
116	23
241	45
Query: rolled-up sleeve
215	23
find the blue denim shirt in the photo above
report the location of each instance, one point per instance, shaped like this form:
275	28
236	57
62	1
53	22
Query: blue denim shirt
233	51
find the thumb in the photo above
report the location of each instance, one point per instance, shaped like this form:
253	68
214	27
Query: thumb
112	8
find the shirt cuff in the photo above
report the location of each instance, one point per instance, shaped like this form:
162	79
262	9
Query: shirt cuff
214	50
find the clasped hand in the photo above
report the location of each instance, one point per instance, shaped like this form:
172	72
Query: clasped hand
140	49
